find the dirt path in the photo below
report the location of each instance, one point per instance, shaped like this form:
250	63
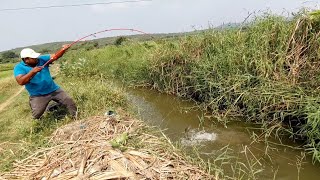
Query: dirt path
8	101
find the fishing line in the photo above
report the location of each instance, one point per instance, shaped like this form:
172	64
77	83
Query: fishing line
72	5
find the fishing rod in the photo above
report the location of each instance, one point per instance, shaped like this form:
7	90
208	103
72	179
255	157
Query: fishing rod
64	49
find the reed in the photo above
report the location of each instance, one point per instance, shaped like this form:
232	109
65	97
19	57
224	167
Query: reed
266	71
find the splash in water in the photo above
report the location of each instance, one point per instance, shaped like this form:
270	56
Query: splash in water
195	138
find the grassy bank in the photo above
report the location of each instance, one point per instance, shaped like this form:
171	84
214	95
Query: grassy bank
7	81
6	67
267	72
23	140
7	88
20	135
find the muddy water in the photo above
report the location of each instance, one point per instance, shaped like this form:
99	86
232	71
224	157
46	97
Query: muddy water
187	126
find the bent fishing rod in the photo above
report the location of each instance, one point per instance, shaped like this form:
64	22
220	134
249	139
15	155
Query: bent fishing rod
64	49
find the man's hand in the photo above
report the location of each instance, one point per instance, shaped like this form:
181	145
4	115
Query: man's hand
36	69
66	46
59	53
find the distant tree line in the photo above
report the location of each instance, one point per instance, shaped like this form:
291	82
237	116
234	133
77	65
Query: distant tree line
12	56
8	56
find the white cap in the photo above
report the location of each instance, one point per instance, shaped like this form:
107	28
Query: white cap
29	53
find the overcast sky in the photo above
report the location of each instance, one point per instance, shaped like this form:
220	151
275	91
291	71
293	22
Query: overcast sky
29	27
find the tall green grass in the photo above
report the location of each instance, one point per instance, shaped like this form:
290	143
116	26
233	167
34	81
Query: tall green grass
267	72
5	74
6	67
8	85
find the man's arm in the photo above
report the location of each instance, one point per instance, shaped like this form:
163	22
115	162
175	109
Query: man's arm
25	79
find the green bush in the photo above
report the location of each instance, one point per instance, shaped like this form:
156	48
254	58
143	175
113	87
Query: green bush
9	55
120	40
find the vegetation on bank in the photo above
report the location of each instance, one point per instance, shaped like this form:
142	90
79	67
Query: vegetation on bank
20	135
107	147
6	67
267	72
22	138
8	84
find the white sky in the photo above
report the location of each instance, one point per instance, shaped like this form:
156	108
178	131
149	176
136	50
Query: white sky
29	27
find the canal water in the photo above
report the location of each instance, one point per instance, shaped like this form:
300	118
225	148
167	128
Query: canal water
230	147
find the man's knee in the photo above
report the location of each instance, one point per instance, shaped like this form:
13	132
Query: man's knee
67	101
71	105
36	114
38	106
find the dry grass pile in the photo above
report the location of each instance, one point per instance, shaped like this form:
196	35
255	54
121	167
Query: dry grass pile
82	150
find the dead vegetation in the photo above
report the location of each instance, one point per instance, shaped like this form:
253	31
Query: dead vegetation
83	150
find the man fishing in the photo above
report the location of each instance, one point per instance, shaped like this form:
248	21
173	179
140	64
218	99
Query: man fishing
33	72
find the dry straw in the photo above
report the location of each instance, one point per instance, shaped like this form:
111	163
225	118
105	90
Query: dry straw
82	150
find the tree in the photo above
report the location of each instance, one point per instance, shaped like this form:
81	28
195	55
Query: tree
120	40
9	55
95	44
44	51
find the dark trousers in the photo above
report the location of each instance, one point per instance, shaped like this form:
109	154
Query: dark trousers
39	104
